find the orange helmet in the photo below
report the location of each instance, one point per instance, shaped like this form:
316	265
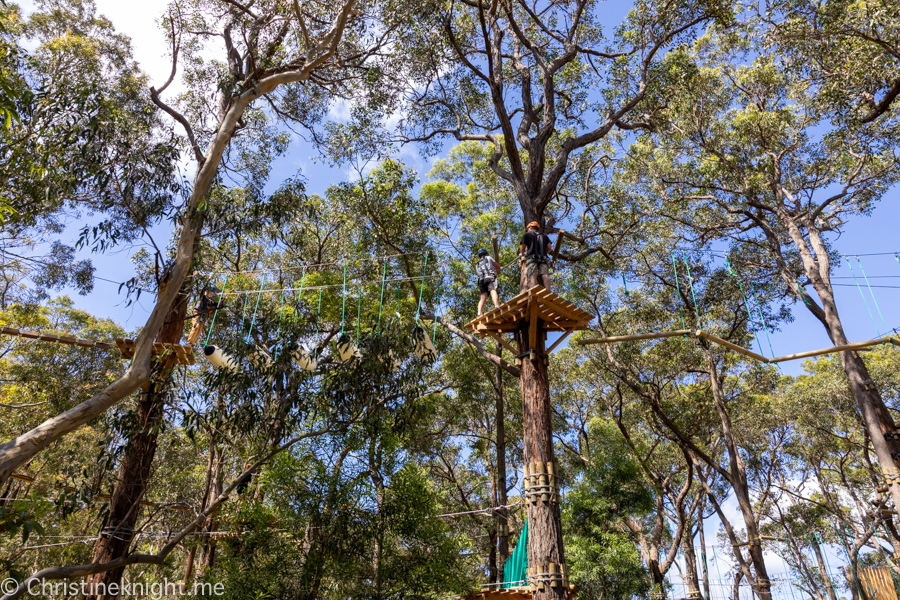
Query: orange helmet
533	224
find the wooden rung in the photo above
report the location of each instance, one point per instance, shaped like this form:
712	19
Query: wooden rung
31	335
46	337
9	331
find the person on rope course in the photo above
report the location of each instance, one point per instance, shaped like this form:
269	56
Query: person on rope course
486	268
210	301
535	250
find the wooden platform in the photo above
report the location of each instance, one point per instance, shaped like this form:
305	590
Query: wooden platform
541	308
183	355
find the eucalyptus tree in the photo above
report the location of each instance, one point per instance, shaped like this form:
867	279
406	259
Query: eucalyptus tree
747	157
269	52
848	51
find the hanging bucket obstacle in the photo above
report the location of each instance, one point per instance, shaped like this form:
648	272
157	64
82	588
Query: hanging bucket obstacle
346	349
425	349
302	358
218	358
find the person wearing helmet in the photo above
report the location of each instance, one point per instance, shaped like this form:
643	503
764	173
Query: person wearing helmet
210	301
535	248
486	270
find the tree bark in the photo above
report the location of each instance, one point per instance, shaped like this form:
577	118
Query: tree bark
500	418
545	541
738	481
702	536
135	470
690	561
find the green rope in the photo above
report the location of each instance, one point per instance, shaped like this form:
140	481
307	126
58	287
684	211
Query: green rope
678	288
691	282
381	301
280	319
316	350
625	284
732	272
437	299
213	322
863	296
256	309
358	309
893	575
762	318
344	294
421	288
803	295
871	293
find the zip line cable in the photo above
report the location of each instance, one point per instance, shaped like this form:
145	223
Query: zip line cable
326	287
328	264
762	318
863	296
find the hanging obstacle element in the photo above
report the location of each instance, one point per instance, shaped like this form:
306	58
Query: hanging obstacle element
734	347
183	355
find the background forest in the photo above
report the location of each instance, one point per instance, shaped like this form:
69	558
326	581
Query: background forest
700	160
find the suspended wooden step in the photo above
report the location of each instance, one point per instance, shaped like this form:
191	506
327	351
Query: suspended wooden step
183	355
541	308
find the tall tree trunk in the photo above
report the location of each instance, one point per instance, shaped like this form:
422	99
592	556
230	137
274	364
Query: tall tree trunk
702	537
823	572
545	540
502	499
136	466
876	417
738	481
690	562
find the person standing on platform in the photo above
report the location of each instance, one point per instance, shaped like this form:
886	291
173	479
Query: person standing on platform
486	269
209	302
536	248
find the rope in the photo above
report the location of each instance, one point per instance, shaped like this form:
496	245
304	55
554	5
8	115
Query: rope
244	313
732	272
828	573
280	318
863	296
850	562
218	302
762	318
344	298
328	287
874	301
381	301
328	264
421	289
691	282
625	283
480	510
787	567
678	288
256	309
358	309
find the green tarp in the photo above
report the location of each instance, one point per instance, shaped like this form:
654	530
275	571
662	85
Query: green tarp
515	565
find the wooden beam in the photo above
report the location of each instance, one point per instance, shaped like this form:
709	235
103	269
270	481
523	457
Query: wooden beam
560	236
833	350
559	341
631	338
533	325
730	346
502	342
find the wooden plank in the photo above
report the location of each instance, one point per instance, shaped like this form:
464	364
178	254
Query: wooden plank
46	337
730	346
10	331
560	236
65	339
31	335
832	350
559	341
84	343
630	338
